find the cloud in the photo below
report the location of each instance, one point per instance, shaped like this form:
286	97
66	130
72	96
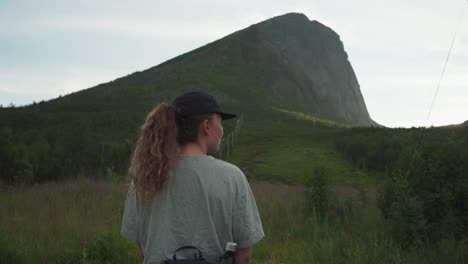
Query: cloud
124	27
25	85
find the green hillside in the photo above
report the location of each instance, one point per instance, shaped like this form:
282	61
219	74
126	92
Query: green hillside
256	72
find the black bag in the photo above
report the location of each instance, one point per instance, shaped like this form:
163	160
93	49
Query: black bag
196	259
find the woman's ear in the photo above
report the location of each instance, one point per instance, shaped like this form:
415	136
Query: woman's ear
205	125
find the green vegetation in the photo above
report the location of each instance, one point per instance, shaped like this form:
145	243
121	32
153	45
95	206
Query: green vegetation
88	133
424	195
69	222
329	211
347	232
79	222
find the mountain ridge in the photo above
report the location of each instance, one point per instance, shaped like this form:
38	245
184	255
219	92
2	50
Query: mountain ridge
286	62
259	45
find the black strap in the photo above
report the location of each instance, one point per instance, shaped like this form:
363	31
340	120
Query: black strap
200	256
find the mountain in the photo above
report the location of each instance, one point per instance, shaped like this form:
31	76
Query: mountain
286	62
301	65
464	124
274	71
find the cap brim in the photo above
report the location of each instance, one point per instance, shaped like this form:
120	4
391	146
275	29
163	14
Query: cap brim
225	116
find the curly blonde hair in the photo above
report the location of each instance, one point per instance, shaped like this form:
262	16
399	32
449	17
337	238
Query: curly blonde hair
154	157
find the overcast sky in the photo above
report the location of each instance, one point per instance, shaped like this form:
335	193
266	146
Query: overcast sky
397	48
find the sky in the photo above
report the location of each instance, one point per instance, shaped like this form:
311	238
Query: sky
397	48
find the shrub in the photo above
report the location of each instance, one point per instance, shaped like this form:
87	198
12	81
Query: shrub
426	198
109	248
317	195
8	253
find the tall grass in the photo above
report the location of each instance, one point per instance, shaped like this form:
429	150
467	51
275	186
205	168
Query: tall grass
79	222
59	222
353	231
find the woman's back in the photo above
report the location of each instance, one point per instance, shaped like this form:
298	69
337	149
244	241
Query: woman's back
207	203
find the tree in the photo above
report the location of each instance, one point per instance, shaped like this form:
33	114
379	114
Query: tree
6	155
426	197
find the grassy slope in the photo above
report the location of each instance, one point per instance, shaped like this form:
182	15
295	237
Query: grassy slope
291	150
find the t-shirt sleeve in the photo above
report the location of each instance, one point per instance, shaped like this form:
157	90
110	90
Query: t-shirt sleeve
247	226
130	220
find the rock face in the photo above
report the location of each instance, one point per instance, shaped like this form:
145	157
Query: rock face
310	68
300	65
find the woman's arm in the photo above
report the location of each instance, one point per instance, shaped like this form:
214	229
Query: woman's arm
243	255
140	251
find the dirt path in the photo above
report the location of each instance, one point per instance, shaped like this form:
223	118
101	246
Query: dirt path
283	191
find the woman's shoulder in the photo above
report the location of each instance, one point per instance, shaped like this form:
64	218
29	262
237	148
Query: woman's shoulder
209	165
226	166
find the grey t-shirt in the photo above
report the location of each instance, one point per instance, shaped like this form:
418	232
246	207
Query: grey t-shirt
207	203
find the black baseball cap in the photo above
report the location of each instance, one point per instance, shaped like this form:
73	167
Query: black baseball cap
199	103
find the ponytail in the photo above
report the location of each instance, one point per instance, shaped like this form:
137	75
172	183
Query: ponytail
153	160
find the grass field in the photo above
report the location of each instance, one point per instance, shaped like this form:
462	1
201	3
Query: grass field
79	221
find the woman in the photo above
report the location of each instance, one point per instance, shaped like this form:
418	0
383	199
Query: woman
179	195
